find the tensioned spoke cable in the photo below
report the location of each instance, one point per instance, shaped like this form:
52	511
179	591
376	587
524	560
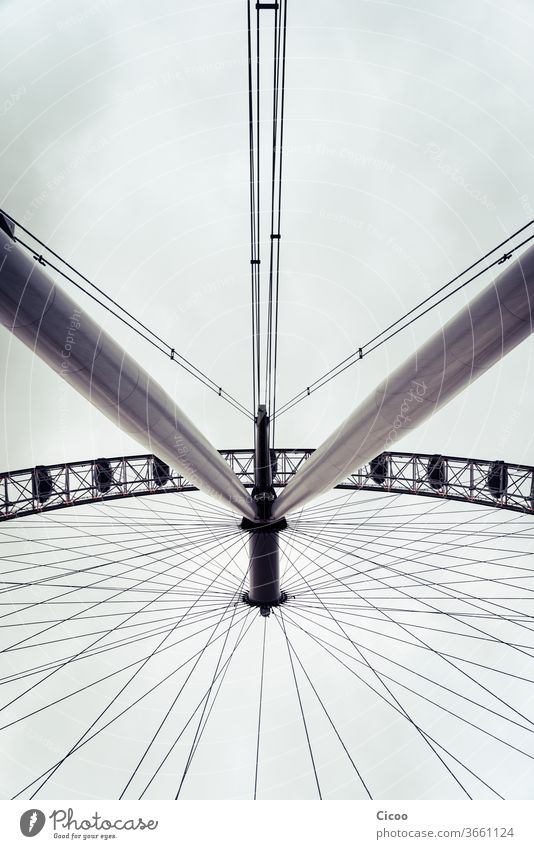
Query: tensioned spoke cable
260	705
405	713
91	645
159	624
121	713
205	712
117	593
433	649
205	527
452	552
255	388
312	618
303	610
325	710
343	503
406	521
130	641
200	726
53	580
168	505
466	597
122	314
113	700
179	693
60	699
393	329
331	649
395	703
419	557
482	531
70	592
215	598
268	302
220	675
394	505
302	714
284	540
278	228
279	56
364	578
177	541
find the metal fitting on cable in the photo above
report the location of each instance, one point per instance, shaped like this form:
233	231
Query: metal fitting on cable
504	258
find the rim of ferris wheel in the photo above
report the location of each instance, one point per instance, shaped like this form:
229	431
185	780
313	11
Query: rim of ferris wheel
479	335
42	316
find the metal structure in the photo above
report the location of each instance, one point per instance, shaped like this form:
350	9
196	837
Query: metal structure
69	340
39	313
483	332
351	559
264	552
490	483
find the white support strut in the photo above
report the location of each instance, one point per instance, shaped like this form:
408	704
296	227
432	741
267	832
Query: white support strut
39	313
493	323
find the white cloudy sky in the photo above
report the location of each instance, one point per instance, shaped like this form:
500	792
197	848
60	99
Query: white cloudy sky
408	154
124	145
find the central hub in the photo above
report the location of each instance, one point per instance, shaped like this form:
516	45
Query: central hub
264	567
264	549
265	609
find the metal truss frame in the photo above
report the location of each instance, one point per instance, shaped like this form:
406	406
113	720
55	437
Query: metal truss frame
490	483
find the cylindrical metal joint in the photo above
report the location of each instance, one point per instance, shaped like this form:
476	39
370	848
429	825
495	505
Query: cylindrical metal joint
264	568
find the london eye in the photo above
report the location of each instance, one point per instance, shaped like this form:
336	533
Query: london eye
341	620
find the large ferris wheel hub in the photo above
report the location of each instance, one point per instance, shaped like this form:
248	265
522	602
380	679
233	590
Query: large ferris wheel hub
265	608
264	567
264	549
267	525
356	456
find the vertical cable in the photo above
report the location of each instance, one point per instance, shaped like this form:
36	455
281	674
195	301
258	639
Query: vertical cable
301	706
259	709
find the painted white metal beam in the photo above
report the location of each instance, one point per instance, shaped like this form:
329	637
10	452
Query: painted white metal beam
493	323
39	313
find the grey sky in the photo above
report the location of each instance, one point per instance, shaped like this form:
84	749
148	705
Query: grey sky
407	133
408	153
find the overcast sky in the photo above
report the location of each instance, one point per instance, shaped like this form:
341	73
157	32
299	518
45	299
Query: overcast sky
408	153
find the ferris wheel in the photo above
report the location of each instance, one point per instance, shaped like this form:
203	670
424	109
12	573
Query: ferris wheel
267	622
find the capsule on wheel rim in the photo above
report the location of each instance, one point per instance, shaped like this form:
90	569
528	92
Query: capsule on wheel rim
379	469
436	471
497	480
